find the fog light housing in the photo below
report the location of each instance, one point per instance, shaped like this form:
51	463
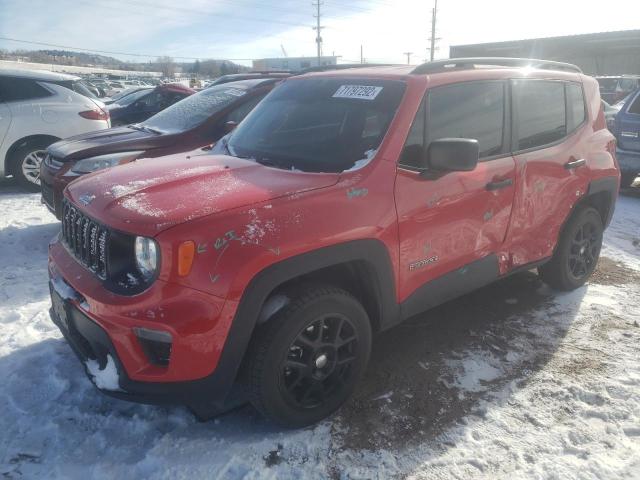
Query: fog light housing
156	345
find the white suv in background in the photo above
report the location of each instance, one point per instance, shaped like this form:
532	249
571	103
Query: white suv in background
38	108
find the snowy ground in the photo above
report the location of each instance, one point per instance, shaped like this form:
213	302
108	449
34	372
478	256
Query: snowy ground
516	382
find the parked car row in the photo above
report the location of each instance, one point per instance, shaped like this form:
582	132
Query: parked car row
344	203
197	121
627	131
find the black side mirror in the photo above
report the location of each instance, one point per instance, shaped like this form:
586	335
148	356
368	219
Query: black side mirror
453	155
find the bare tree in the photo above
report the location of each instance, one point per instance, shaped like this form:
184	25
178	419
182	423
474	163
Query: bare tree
167	66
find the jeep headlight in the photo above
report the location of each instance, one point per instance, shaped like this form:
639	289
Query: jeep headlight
93	164
146	253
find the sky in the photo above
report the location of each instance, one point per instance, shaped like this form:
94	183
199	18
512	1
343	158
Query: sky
241	30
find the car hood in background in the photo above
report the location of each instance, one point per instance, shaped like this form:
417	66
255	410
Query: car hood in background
111	140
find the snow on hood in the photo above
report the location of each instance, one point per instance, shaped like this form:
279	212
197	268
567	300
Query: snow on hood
151	195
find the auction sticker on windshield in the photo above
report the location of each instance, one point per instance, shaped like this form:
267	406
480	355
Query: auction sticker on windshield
363	92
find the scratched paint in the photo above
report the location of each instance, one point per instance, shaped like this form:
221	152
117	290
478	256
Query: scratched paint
223	241
357	193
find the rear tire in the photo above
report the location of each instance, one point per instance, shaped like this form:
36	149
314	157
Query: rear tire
304	363
25	163
577	252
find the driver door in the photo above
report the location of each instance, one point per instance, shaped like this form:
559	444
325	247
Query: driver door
452	224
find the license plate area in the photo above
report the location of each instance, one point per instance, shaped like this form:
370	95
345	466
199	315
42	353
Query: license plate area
60	310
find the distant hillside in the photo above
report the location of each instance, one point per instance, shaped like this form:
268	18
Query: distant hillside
81	57
204	68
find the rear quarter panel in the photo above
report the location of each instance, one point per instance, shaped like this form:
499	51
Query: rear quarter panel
55	116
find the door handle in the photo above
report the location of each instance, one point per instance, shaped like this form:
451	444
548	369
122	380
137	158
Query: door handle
498	184
575	164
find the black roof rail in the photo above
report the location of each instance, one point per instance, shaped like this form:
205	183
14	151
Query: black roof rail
343	66
469	63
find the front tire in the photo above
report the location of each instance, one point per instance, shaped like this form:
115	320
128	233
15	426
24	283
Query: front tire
577	252
304	363
26	161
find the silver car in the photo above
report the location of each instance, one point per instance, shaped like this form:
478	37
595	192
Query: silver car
38	108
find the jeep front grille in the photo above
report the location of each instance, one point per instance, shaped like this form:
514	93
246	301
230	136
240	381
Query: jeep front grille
86	239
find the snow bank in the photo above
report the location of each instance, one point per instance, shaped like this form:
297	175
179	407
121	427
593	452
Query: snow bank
106	378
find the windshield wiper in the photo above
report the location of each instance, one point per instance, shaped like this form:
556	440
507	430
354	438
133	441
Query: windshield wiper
144	128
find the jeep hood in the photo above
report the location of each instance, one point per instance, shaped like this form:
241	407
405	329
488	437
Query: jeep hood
151	195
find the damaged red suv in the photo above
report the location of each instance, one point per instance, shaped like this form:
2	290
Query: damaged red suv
346	202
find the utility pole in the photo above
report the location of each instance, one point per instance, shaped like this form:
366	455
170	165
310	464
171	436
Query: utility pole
433	39
408	54
361	54
318	28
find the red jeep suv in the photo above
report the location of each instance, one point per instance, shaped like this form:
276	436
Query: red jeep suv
346	202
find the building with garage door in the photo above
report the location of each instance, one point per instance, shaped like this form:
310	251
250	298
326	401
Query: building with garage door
606	53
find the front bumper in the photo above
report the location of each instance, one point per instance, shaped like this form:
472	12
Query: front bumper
99	324
52	184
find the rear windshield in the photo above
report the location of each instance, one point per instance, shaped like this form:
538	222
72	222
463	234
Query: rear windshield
318	124
195	109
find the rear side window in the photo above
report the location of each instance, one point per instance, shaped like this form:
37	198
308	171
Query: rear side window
21	89
541	117
575	106
469	110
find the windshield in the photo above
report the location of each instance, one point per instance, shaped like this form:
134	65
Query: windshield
195	109
128	99
318	124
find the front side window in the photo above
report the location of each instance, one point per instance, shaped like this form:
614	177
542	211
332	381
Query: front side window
469	110
195	109
132	97
541	117
318	124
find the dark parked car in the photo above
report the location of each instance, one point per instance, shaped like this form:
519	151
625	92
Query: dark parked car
196	121
119	98
627	131
145	103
